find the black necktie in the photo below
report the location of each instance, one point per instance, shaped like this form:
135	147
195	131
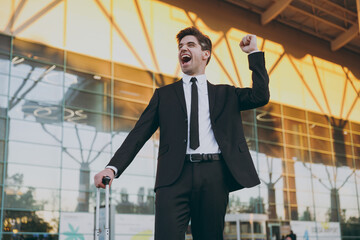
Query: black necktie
194	116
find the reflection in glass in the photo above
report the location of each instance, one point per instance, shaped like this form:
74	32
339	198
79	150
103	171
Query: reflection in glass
294	112
38	51
271	177
34	154
128	109
33	176
248	116
33	132
82	63
270	135
88	82
29	221
89	101
132	91
295	126
5	43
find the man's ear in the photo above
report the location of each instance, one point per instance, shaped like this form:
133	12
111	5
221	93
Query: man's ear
206	54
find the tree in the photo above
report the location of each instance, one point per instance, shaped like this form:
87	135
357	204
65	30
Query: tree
22	221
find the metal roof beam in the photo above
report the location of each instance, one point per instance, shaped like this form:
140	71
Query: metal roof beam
345	37
274	10
332	13
317	18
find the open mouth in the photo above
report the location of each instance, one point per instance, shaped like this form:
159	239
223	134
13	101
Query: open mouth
185	58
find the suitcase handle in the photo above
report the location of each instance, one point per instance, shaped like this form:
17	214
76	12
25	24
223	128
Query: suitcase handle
106	180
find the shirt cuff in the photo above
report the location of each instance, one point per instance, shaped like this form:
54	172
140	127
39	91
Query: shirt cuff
255	51
113	168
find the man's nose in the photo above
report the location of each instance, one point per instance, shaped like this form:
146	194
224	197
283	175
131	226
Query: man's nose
183	48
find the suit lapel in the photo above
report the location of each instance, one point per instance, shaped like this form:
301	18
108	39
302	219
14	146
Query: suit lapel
179	89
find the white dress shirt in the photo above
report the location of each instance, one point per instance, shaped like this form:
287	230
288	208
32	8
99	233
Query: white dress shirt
208	143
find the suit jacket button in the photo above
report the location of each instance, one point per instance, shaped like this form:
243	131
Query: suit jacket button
185	140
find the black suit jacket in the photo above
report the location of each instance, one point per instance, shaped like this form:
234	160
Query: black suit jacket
167	111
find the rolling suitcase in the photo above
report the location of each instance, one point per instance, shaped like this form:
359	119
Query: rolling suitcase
105	181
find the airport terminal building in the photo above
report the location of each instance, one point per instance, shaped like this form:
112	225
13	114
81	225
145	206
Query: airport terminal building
75	75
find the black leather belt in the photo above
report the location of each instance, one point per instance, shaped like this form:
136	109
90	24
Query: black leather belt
205	157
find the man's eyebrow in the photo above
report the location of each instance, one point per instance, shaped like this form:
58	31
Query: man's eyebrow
187	43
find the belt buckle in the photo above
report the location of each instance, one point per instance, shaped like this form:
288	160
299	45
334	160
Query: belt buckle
193	160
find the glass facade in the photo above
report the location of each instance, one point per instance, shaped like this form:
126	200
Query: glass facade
61	123
73	84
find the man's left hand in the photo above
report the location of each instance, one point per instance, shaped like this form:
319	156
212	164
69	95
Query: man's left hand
248	44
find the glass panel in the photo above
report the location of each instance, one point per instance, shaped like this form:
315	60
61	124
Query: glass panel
306	213
249	131
271	108
356	138
1	174
141	203
30	221
89	139
342	149
42	96
32	176
30	198
5	43
355	127
84	159
4	74
325	158
271	149
88	101
30	77
162	80
132	91
128	109
294	112
245	227
123	124
248	116
267	119
89	82
3	111
341	135
40	112
318	118
297	154
271	135
34	154
296	140
38	52
2	127
318	144
82	63
132	184
350	229
24	131
319	131
258	227
83	119
296	126
230	231
123	72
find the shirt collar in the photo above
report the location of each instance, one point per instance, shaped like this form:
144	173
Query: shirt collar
201	79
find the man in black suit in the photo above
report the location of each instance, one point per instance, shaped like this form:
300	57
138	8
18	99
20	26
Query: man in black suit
203	153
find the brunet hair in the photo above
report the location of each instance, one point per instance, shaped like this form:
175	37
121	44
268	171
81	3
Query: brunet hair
203	40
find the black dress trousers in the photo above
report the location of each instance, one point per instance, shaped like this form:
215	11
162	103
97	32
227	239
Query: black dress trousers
200	194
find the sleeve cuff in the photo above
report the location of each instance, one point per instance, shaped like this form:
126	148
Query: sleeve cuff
113	168
255	51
